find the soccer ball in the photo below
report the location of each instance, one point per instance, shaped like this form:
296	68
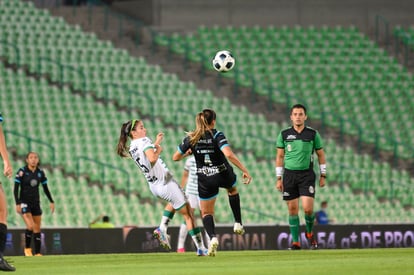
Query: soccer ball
223	61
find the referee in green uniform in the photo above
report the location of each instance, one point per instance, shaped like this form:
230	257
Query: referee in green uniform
294	171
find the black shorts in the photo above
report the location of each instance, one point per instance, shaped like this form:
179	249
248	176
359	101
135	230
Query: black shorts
298	183
31	207
208	186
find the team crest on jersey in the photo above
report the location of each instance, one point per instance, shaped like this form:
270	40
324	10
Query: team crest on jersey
33	183
311	189
289	147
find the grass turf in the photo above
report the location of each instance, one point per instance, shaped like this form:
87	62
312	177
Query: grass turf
344	261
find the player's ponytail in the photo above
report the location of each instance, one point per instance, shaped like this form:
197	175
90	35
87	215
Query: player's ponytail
203	121
122	148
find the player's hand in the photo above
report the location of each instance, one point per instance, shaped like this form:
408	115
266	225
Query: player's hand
18	209
8	170
246	178
159	138
52	207
279	185
322	181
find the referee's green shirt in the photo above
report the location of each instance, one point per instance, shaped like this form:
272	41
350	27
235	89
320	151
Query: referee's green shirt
299	147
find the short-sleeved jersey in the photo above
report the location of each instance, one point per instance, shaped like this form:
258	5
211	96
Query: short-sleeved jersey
207	152
29	182
192	181
299	147
154	174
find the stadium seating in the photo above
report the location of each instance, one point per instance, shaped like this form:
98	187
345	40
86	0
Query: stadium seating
338	71
79	127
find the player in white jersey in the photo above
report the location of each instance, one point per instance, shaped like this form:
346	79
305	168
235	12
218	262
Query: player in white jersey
189	182
146	155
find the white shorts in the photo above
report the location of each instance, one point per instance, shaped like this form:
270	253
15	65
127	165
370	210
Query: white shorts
194	201
171	192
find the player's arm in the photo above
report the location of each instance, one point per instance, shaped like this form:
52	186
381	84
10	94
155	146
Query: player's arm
16	195
184	178
7	170
322	166
153	153
182	152
235	160
279	162
49	196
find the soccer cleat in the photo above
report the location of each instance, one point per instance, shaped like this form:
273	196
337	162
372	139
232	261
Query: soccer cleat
28	252
5	266
181	250
295	246
212	249
38	254
238	228
162	238
202	252
312	242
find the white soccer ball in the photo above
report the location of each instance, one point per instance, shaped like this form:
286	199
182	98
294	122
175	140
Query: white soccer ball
223	61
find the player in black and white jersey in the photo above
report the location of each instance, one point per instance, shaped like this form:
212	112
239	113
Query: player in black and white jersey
212	152
26	194
146	156
8	172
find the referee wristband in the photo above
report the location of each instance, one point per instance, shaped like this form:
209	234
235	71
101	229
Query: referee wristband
279	171
322	168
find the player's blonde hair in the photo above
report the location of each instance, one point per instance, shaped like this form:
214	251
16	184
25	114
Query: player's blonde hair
203	122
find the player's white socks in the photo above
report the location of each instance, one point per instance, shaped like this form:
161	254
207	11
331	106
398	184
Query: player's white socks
164	223
182	235
198	241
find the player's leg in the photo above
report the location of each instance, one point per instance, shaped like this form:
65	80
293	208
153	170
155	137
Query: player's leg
193	230
160	233
167	216
307	194
37	234
182	236
206	236
4	265
194	204
234	201
28	220
207	212
294	224
291	197
307	204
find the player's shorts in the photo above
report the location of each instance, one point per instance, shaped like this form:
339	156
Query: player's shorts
33	208
298	183
208	186
171	192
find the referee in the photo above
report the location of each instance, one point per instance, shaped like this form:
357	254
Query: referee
294	172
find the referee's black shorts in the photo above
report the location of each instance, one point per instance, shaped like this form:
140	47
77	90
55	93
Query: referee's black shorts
298	183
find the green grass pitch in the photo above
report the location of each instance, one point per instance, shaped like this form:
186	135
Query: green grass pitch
344	261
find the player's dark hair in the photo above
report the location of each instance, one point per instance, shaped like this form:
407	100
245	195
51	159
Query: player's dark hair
105	218
31	152
298	106
127	127
203	120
